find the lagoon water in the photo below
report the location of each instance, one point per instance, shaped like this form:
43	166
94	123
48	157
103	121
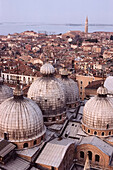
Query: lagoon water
18	27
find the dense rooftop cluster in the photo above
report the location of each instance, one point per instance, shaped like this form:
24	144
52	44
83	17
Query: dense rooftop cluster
52	129
90	52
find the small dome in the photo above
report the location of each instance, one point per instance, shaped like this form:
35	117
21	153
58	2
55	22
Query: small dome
21	119
5	91
98	112
47	69
102	91
109	84
64	72
18	91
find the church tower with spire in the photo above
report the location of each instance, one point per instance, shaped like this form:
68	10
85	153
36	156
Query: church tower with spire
86	25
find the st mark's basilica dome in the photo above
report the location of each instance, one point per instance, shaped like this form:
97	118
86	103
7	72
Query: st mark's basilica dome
98	114
48	92
5	91
109	84
21	121
71	90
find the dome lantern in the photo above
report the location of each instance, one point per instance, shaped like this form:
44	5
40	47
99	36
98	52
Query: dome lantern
47	69
64	74
18	93
102	91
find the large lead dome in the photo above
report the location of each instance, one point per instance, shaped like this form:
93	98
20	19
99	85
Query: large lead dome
98	114
71	90
21	120
48	92
5	91
109	84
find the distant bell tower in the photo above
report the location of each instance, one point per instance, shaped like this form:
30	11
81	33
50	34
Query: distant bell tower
86	25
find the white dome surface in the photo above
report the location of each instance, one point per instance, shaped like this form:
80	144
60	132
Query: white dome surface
47	68
21	119
5	92
71	90
48	92
109	84
102	90
98	113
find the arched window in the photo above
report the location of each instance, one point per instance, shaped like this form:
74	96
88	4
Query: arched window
97	158
25	145
88	131
35	142
42	138
110	133
107	126
28	79
6	136
45	100
3	76
45	119
102	133
95	133
90	155
66	135
69	106
81	154
53	119
7	77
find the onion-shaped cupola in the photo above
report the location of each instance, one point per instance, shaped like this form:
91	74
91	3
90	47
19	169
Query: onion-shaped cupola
71	90
21	121
5	91
47	69
98	114
48	92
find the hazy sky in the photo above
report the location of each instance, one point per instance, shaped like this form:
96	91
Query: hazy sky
56	11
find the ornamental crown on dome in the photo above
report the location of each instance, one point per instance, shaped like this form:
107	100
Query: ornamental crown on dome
102	90
18	91
47	69
64	72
